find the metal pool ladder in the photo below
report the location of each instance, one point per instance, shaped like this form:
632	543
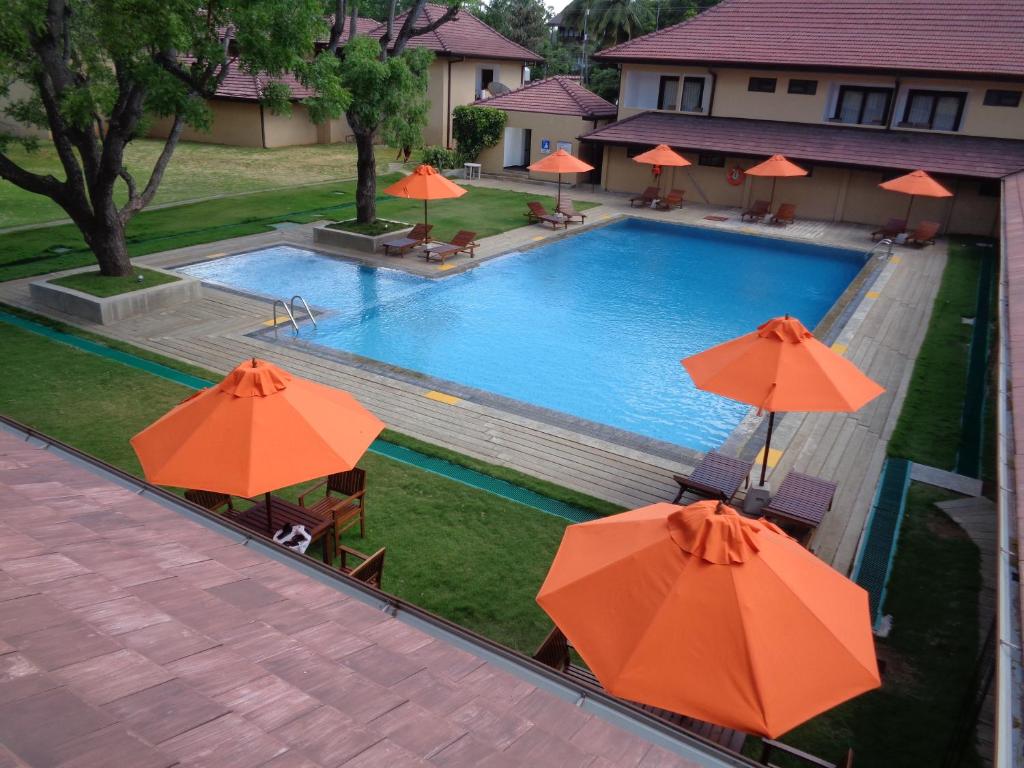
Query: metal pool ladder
289	311
885	241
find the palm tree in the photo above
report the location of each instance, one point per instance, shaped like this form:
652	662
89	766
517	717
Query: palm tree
610	22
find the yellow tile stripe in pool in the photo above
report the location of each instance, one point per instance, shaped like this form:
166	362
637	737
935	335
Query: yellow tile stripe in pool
774	454
539	237
872	294
217	255
896	260
445	267
441	397
839	348
280	321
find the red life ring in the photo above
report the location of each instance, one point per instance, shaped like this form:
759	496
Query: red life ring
656	170
735	175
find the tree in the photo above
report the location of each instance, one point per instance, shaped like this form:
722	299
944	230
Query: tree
609	22
388	84
521	21
476	129
97	68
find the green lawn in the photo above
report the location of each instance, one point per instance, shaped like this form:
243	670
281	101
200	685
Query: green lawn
928	430
195	171
98	285
483	210
465	554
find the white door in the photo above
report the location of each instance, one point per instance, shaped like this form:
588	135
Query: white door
515	145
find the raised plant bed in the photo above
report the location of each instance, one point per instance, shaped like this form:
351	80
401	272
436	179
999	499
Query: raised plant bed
356	241
110	309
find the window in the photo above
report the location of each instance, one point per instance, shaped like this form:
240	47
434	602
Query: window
934	110
484	79
861	105
762	84
693	94
803	87
668	92
713	161
995	97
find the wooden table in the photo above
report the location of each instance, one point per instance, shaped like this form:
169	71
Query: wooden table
281	511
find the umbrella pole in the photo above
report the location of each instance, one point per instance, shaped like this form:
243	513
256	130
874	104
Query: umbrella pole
771	198
909	206
425	223
558	202
270	518
767	445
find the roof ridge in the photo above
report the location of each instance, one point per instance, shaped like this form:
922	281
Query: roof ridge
573	95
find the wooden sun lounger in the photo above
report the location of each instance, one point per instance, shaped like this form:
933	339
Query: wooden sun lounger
800	504
554	653
538	214
890	229
756	212
785	215
568	209
716	477
924	234
674	199
400	245
646	197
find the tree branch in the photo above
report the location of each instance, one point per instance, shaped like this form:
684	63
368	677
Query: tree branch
30	182
130	181
337	27
409	30
137	202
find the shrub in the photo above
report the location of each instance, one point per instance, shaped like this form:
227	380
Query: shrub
476	129
441	157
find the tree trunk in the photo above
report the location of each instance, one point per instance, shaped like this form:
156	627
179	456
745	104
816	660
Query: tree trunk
366	184
106	239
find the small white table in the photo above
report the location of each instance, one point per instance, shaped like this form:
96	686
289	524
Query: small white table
472	171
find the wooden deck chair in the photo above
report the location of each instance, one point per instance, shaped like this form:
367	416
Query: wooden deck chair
369	570
717	476
538	214
344	500
800	504
756	212
210	500
890	229
645	198
400	245
466	242
674	199
568	208
924	234
785	215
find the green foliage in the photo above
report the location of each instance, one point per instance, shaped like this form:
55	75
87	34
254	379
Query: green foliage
441	157
476	129
98	285
604	81
522	21
610	22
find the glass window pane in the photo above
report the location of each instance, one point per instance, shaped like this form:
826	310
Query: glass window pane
669	92
849	109
919	110
693	94
874	108
945	113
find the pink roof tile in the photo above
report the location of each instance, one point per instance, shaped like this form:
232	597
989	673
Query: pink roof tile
955	36
558	95
899	150
465	35
243	86
216	663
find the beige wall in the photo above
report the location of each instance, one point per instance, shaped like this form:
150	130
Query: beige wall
18	91
461	89
829	194
732	99
554	128
234	122
437	94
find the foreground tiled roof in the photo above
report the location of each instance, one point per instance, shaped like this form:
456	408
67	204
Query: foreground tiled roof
246	87
558	95
969	36
465	35
133	635
936	153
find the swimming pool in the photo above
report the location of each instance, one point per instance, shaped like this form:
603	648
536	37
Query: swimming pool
592	325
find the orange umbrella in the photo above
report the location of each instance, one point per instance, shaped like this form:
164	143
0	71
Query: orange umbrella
560	162
781	367
662	155
914	184
702	612
776	166
258	430
425	183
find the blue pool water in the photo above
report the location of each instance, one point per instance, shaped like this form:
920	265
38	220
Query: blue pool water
593	325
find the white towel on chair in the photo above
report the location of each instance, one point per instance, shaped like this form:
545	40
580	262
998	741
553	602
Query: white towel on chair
294	537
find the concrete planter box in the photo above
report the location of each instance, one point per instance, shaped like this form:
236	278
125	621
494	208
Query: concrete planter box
110	309
353	241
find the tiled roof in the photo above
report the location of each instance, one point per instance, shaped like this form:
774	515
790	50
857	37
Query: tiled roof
246	87
558	95
363	27
962	36
465	35
133	634
901	150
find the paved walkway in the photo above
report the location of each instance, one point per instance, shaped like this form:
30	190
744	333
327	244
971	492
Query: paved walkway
882	336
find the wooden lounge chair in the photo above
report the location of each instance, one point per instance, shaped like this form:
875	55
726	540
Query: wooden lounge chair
756	212
785	215
538	214
466	241
554	652
924	234
769	747
210	500
674	199
348	507
645	198
890	229
370	569
399	246
568	209
800	504
716	477
462	242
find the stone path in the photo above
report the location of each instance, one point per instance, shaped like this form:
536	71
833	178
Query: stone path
968	486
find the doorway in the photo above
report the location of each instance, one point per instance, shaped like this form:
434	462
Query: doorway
517	148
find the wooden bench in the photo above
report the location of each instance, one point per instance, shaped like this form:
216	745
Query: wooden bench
716	477
800	504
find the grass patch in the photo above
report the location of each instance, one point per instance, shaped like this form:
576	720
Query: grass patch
486	211
933	597
928	430
378	227
96	284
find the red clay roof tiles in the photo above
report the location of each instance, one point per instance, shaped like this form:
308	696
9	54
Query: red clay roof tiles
296	673
900	150
558	95
465	35
954	36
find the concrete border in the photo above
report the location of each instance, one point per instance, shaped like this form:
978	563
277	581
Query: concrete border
325	234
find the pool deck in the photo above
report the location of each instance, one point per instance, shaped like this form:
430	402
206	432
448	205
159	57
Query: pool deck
882	336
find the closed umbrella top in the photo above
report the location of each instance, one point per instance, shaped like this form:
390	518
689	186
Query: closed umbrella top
715	616
425	183
662	155
918	183
258	430
776	165
561	161
782	367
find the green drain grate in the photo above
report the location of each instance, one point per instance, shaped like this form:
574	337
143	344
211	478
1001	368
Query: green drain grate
873	564
450	470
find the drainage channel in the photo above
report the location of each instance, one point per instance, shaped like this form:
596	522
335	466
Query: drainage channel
460	474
